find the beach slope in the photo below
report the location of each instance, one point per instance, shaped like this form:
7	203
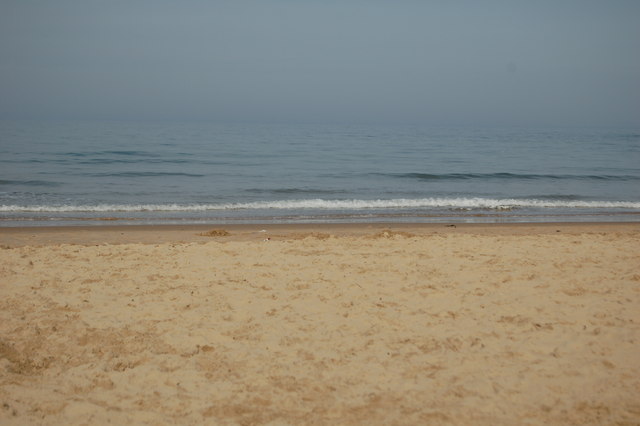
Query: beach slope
383	324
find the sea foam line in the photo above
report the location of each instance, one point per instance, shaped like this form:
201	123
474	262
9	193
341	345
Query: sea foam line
321	204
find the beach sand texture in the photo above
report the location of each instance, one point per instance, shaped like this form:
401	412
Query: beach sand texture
424	325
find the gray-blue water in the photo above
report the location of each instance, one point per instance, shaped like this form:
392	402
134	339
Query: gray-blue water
84	172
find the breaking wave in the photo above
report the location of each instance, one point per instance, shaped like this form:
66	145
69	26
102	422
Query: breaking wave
321	204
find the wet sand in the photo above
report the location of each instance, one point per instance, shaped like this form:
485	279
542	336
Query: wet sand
321	324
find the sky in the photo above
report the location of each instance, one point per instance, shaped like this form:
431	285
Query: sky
562	62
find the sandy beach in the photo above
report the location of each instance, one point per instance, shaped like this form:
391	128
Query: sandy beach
321	324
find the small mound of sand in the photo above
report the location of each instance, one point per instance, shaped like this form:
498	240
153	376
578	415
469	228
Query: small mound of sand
317	235
388	233
313	235
216	233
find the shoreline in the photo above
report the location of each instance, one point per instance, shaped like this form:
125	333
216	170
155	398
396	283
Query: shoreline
507	216
123	234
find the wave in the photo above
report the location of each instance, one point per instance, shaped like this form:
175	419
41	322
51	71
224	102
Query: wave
320	204
145	174
28	182
116	152
295	191
101	161
110	161
507	176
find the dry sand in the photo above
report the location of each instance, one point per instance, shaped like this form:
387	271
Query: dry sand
502	324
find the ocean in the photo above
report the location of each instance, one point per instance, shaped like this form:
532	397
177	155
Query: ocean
79	173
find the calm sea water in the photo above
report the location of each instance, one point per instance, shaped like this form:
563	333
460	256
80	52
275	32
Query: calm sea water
85	172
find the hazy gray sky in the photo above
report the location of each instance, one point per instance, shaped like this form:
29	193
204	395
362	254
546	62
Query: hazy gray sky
490	62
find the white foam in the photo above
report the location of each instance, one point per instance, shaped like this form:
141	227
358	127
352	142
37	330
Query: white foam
320	204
